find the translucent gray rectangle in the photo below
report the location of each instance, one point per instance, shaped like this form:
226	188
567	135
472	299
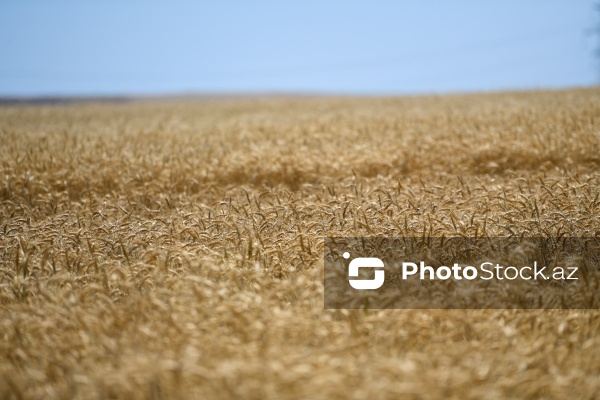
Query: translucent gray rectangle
462	273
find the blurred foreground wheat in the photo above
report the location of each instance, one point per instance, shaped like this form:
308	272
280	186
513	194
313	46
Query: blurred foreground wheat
174	249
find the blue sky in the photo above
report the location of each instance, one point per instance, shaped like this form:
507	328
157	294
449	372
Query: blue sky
360	47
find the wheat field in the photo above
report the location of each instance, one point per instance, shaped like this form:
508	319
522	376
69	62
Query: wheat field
174	249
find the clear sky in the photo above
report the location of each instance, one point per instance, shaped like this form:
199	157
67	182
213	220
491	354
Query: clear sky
82	47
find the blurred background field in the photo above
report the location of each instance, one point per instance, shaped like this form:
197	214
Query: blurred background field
165	250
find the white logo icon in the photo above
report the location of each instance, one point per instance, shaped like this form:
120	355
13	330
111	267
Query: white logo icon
365	262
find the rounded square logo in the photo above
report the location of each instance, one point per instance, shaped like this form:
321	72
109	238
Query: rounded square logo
365	262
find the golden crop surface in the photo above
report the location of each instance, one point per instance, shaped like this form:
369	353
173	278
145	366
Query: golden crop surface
174	249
